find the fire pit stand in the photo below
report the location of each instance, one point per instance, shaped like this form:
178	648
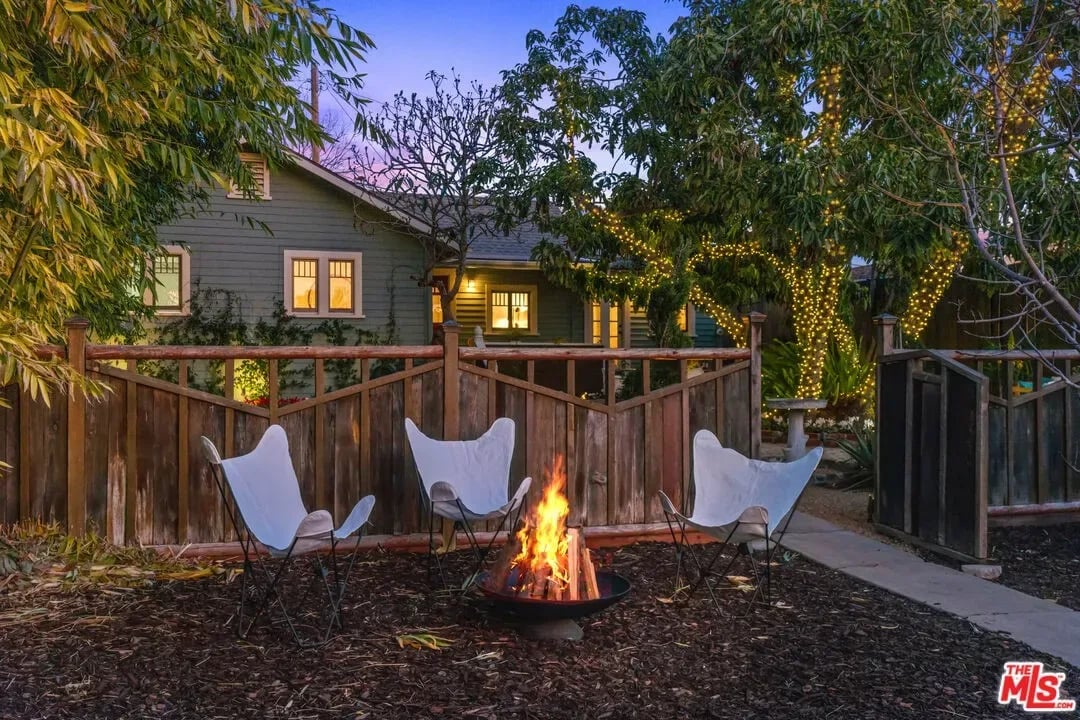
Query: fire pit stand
548	619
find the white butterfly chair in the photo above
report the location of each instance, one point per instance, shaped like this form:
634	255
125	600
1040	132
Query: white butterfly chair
268	505
466	481
737	501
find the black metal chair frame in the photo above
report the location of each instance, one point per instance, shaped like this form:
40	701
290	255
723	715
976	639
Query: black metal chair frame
705	572
480	552
265	583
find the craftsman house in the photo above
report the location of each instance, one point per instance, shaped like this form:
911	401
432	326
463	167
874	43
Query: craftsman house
328	249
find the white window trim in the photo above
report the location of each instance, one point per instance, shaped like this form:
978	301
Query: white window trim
185	283
323	258
622	312
236	193
534	309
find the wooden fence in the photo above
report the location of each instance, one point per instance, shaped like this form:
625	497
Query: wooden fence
129	464
963	442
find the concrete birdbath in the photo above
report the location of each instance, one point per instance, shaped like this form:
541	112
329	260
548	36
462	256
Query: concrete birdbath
796	412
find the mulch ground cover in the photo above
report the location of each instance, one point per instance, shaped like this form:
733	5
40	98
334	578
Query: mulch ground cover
1040	561
841	650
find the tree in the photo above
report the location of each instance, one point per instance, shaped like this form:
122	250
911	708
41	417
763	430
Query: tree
119	116
742	132
438	160
994	112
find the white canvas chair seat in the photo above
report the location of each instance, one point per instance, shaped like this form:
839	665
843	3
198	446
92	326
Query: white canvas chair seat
266	491
738	500
467	481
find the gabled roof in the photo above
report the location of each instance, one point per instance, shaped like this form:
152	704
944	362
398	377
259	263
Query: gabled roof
342	183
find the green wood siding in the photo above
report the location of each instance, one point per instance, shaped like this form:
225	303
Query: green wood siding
561	314
306	214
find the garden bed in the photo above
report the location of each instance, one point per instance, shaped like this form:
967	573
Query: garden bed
1040	561
841	650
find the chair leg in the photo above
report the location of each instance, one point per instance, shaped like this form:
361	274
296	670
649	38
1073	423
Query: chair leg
432	555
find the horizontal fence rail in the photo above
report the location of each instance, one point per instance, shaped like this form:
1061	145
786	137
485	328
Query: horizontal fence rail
129	464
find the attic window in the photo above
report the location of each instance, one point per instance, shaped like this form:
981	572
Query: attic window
260	174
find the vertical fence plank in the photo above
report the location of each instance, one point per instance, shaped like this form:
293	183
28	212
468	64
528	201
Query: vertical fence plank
1042	469
76	429
131	454
274	389
757	322
183	477
25	408
322	497
684	426
943	462
366	481
230	414
451	384
9	453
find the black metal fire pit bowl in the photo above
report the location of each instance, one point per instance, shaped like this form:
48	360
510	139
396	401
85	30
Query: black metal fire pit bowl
613	588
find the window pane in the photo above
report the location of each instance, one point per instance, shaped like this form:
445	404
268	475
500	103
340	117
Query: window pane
519	310
167	276
613	328
500	310
305	274
681	318
341	285
436	302
436	306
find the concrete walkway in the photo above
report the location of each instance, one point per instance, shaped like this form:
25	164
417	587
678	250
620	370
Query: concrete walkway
1045	626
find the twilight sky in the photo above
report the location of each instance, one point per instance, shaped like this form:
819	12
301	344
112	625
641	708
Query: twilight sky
478	38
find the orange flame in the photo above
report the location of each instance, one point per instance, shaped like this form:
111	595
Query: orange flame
543	536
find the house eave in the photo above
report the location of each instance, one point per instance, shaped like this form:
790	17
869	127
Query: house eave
341	183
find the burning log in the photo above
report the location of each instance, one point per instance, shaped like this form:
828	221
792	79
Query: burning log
539	583
590	574
573	562
504	562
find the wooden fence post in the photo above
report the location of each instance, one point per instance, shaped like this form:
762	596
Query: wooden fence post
757	322
76	428
886	338
886	333
451	381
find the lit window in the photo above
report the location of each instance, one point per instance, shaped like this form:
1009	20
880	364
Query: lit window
169	278
681	318
305	284
323	283
512	309
260	176
601	313
170	271
341	286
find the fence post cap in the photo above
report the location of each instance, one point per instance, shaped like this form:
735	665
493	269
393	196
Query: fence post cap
77	322
451	326
756	317
885	319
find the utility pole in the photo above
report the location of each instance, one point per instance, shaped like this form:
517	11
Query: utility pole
316	148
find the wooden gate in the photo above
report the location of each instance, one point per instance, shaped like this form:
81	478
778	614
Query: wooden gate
962	443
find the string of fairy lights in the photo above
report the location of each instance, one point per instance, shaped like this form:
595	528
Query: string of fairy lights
814	284
935	280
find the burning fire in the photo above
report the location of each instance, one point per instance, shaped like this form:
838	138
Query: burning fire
551	561
543	536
